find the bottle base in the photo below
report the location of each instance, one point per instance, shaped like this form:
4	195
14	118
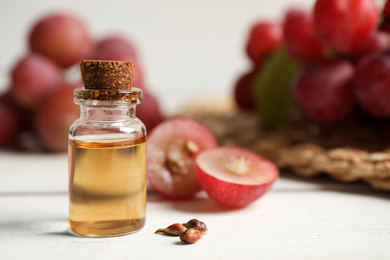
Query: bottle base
101	229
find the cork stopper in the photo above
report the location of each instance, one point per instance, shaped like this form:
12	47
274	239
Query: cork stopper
108	81
107	75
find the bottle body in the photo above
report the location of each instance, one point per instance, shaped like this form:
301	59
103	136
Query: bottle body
107	171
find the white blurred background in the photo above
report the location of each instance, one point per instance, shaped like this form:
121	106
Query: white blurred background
186	47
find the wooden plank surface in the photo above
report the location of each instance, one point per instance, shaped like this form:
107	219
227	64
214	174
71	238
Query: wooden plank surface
297	219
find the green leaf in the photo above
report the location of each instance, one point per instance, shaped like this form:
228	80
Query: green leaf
272	90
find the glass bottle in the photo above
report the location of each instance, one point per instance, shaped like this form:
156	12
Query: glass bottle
107	153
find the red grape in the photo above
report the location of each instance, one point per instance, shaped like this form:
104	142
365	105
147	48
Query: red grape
10	121
346	25
138	80
55	116
149	111
118	48
243	91
299	37
372	84
264	38
33	78
385	23
61	37
385	26
386	9
114	47
25	115
380	42
324	91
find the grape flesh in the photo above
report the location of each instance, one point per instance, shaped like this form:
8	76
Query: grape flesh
62	38
372	84
34	77
299	37
324	91
346	25
264	38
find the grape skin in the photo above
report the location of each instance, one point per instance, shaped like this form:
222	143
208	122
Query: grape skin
300	39
346	25
264	38
54	117
149	111
62	38
34	77
379	42
10	121
115	47
386	9
372	84
243	91
324	91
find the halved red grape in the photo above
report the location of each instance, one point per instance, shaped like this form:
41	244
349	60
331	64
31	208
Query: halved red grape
34	77
172	148
55	116
264	38
235	177
324	91
61	37
299	37
372	84
346	25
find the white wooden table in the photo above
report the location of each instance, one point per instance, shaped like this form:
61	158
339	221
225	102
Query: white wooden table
297	219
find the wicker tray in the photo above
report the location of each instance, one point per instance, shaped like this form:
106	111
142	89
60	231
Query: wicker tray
349	152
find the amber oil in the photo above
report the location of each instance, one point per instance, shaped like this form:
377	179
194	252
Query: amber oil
107	187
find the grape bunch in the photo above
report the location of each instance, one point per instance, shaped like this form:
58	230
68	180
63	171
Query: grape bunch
38	107
343	51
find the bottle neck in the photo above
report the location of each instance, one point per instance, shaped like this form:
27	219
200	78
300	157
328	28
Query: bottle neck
106	114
